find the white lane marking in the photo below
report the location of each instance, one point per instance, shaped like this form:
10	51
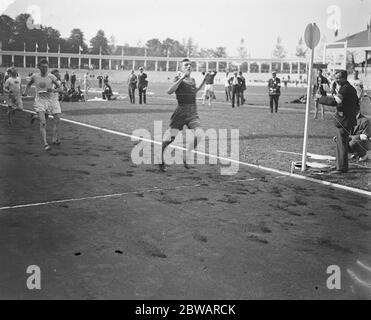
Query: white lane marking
364	266
282	173
358	280
114	195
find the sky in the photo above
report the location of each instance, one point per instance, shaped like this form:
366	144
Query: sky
210	23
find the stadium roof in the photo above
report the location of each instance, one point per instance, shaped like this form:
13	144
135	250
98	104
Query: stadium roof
358	40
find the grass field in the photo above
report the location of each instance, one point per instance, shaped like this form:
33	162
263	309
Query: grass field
101	227
262	134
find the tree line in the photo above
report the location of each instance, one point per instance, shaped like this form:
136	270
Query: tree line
16	35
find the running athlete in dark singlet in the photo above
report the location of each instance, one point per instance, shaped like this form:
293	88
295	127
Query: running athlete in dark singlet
186	113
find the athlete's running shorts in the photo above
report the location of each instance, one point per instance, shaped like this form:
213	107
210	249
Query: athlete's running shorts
50	105
185	115
209	87
15	102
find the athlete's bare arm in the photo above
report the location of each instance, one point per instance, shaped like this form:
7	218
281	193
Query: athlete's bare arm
176	84
7	88
30	83
57	87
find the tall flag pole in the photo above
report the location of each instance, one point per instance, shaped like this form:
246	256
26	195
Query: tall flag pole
312	37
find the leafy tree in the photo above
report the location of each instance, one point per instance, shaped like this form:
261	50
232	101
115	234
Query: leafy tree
279	51
173	47
154	47
100	42
220	52
112	44
301	50
76	40
6	30
190	47
242	51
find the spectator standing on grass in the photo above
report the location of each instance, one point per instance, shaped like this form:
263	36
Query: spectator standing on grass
86	83
132	86
319	90
227	88
142	86
236	83
67	78
285	82
243	88
100	81
347	105
73	80
274	87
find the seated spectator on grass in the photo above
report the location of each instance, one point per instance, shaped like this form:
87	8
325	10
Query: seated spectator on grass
107	91
359	138
76	95
63	94
301	99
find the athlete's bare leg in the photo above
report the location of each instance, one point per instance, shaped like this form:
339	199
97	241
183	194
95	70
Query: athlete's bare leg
316	109
9	114
322	112
169	139
191	147
56	123
42	119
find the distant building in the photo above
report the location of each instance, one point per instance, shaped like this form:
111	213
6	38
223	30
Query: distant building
358	45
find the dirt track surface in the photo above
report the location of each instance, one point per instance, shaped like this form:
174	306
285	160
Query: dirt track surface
202	236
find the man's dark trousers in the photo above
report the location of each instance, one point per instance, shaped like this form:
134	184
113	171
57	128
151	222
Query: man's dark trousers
342	149
142	96
274	99
132	94
236	94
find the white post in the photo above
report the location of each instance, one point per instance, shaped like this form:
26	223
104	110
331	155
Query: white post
305	144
